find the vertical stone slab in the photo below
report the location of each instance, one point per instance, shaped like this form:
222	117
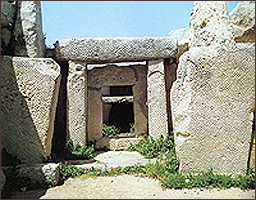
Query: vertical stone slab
77	102
95	112
139	102
28	33
29	95
157	108
213	100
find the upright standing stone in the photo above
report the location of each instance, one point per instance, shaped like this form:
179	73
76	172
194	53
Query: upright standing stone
209	23
157	108
28	33
77	102
29	94
243	19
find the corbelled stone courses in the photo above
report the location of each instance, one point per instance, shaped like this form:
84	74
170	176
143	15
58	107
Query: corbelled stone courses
156	94
29	92
100	50
209	23
28	34
212	103
114	75
243	18
77	102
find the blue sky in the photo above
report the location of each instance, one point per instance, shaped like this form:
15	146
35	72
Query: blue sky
81	19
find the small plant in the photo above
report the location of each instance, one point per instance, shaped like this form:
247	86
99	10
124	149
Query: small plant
132	128
67	171
83	152
110	130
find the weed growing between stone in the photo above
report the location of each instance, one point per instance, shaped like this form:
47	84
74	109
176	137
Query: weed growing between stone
165	169
80	152
112	130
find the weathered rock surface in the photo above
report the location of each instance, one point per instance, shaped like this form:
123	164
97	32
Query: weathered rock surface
28	34
209	23
243	18
183	37
39	173
2	179
212	103
77	102
6	37
29	92
7	13
97	50
156	94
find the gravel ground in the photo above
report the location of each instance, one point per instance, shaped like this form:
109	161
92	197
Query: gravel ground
129	187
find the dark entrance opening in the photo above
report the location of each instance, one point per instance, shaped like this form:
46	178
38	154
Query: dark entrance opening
121	115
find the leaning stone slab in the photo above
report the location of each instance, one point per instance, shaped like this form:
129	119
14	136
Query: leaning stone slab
209	23
243	19
212	103
29	92
99	50
39	173
28	33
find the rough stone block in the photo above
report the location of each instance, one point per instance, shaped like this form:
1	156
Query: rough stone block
5	37
243	19
28	34
39	173
7	13
209	23
2	179
29	93
156	93
100	50
212	103
77	102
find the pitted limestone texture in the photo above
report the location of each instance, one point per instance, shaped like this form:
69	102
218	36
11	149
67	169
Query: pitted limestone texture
116	76
103	50
243	19
77	102
28	34
183	37
210	24
156	94
212	108
29	93
7	13
39	173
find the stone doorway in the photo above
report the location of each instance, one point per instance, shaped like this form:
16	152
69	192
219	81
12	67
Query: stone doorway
114	88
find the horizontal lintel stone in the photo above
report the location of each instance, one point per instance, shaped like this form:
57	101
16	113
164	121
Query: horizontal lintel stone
100	50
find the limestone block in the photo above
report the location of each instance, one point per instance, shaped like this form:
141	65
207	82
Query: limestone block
96	50
2	179
243	19
183	37
212	102
7	13
77	102
29	94
28	34
157	108
209	23
122	143
6	37
38	173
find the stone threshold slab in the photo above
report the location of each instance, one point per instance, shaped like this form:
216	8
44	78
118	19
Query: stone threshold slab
120	64
119	49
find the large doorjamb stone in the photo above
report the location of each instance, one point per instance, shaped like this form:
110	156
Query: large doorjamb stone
157	106
77	102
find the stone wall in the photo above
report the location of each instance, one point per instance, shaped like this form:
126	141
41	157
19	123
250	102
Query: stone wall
29	93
